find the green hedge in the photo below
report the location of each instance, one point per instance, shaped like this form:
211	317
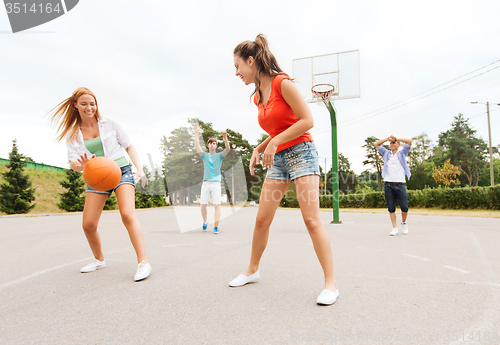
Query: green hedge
450	198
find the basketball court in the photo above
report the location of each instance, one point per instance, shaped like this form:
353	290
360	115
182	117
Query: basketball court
437	285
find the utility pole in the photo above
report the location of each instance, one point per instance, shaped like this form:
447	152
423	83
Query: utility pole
492	171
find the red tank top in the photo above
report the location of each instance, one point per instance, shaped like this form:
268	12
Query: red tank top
277	116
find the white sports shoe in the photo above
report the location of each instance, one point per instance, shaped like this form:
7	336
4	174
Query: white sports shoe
327	297
243	279
143	271
94	265
394	232
405	228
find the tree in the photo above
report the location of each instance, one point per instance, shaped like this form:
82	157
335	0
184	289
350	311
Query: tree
368	179
16	194
446	174
153	194
72	200
464	149
347	178
374	159
182	167
418	162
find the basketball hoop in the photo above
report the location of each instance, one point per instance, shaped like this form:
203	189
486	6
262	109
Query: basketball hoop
323	92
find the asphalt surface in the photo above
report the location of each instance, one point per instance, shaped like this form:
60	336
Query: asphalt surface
437	285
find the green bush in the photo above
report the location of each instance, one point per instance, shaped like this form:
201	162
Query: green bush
449	198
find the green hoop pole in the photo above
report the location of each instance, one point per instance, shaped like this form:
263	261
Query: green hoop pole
335	163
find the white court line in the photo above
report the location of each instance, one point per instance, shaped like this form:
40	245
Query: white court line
456	269
417	257
178	245
20	280
491	314
433	281
378	250
226	242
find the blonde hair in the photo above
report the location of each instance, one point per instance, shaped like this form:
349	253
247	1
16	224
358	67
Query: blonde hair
67	116
265	61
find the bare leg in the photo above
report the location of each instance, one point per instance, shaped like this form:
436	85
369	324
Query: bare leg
217	215
404	215
270	197
393	219
204	212
125	195
308	196
94	203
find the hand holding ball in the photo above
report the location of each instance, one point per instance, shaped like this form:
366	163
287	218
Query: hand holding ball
102	173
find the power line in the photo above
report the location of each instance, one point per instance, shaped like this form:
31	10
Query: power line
438	86
413	98
433	93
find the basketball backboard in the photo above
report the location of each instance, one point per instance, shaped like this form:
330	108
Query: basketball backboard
338	69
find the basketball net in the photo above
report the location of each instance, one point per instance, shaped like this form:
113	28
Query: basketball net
323	93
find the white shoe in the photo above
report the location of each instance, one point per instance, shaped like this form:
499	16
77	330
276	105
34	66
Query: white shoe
94	265
405	228
143	271
394	232
243	279
326	297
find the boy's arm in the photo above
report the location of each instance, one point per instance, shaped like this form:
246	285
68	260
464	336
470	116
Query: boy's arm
226	144
381	141
197	139
406	141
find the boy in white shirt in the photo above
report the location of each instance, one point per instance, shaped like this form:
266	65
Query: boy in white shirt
394	172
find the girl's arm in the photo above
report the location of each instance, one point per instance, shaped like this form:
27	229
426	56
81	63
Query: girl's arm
256	154
134	156
293	97
79	164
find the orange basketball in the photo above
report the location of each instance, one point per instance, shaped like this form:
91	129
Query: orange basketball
102	173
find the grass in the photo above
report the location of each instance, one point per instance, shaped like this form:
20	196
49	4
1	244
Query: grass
47	188
427	212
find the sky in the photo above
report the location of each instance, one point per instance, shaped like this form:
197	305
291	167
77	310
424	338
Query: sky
153	64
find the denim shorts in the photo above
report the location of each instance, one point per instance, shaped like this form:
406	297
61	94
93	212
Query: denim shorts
127	178
296	161
396	191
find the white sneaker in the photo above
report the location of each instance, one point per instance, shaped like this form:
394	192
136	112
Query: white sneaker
394	232
327	297
94	265
405	228
143	271
243	279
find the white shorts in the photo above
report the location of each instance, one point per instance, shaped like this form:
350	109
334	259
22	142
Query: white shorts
210	188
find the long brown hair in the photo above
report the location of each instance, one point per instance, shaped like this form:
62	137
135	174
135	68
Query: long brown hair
67	116
265	61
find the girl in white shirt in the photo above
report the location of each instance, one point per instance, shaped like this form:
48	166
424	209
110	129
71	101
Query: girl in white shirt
87	134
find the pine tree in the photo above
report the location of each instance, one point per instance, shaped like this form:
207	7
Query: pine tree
72	200
16	194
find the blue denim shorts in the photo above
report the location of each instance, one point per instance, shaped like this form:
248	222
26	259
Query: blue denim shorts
396	191
296	161
127	178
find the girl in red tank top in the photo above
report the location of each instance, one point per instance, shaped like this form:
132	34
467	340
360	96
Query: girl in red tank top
289	155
